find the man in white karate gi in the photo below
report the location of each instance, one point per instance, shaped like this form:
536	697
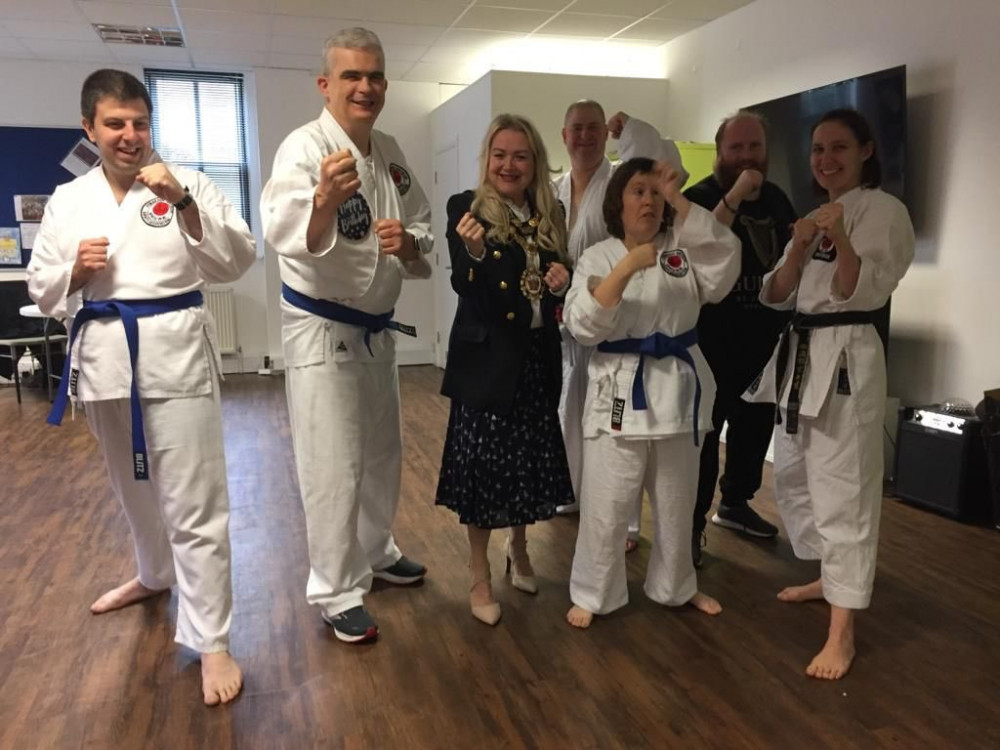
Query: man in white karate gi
137	240
349	221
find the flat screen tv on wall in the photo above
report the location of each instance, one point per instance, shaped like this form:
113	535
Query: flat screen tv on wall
879	96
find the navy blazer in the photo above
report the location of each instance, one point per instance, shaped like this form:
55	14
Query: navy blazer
490	334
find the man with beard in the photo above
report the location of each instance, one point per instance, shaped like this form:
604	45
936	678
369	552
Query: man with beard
738	335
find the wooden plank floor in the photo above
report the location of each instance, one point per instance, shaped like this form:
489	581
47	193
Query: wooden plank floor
927	674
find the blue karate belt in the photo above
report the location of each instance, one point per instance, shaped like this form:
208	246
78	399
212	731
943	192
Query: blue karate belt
324	308
129	310
658	345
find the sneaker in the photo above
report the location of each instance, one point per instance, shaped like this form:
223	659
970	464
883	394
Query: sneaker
353	625
745	519
565	510
698	540
402	572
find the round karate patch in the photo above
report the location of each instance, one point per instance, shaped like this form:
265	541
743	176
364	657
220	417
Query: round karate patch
674	262
354	218
156	212
400	177
826	251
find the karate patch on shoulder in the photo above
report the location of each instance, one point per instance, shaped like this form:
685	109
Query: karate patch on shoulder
400	177
156	212
826	252
674	262
354	218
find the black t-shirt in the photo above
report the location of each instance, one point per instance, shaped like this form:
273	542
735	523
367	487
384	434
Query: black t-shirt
739	332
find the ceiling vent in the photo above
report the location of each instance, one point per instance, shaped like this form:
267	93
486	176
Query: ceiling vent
149	35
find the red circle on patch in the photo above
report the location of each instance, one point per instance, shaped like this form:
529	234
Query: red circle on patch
161	208
826	244
674	261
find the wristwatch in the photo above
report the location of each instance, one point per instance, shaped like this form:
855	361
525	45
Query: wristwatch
186	201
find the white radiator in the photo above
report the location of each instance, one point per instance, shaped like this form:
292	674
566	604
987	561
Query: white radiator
221	303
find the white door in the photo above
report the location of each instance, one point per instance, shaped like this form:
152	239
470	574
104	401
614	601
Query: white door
445	299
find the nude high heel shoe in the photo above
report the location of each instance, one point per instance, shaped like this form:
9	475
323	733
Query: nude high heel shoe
485	613
522	581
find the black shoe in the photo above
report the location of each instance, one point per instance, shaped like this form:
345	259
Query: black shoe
354	625
402	572
745	519
698	540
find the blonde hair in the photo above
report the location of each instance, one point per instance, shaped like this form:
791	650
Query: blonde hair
490	206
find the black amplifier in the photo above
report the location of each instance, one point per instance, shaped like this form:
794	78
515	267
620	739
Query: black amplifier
941	463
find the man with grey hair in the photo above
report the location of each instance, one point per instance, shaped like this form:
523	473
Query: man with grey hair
349	222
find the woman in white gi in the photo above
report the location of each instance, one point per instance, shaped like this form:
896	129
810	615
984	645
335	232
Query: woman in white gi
841	265
581	191
140	240
504	463
636	298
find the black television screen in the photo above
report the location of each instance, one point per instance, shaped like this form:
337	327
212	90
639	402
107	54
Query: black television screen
880	97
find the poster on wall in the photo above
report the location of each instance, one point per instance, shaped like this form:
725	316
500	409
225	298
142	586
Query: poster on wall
10	246
81	158
30	207
28	233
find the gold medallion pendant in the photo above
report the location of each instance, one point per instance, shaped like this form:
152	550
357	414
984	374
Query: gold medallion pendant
532	284
532	280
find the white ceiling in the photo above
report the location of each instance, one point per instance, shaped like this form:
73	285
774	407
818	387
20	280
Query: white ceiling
445	41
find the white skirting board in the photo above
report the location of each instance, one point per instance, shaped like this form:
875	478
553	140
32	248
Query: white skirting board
231	363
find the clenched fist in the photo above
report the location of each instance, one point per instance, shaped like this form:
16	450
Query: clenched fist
472	234
395	240
617	124
556	277
747	184
161	182
91	259
803	233
830	219
643	256
338	179
670	182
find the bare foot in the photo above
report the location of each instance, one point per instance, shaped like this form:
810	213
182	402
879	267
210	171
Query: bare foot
705	603
631	545
805	593
221	678
124	595
578	617
834	660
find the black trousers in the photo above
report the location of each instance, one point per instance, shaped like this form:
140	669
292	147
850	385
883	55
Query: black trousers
747	439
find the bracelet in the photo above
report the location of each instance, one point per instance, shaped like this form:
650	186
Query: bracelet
728	207
184	202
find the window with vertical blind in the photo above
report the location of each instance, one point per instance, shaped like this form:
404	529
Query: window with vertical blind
198	122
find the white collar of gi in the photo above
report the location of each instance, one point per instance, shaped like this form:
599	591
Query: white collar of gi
851	196
337	135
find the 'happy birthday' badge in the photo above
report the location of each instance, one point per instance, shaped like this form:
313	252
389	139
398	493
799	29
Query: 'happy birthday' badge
354	218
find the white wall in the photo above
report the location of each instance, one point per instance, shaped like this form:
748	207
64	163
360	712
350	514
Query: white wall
543	99
944	337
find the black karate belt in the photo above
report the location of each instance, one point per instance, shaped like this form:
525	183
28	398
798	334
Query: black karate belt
803	324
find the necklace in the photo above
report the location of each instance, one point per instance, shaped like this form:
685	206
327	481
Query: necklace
523	233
